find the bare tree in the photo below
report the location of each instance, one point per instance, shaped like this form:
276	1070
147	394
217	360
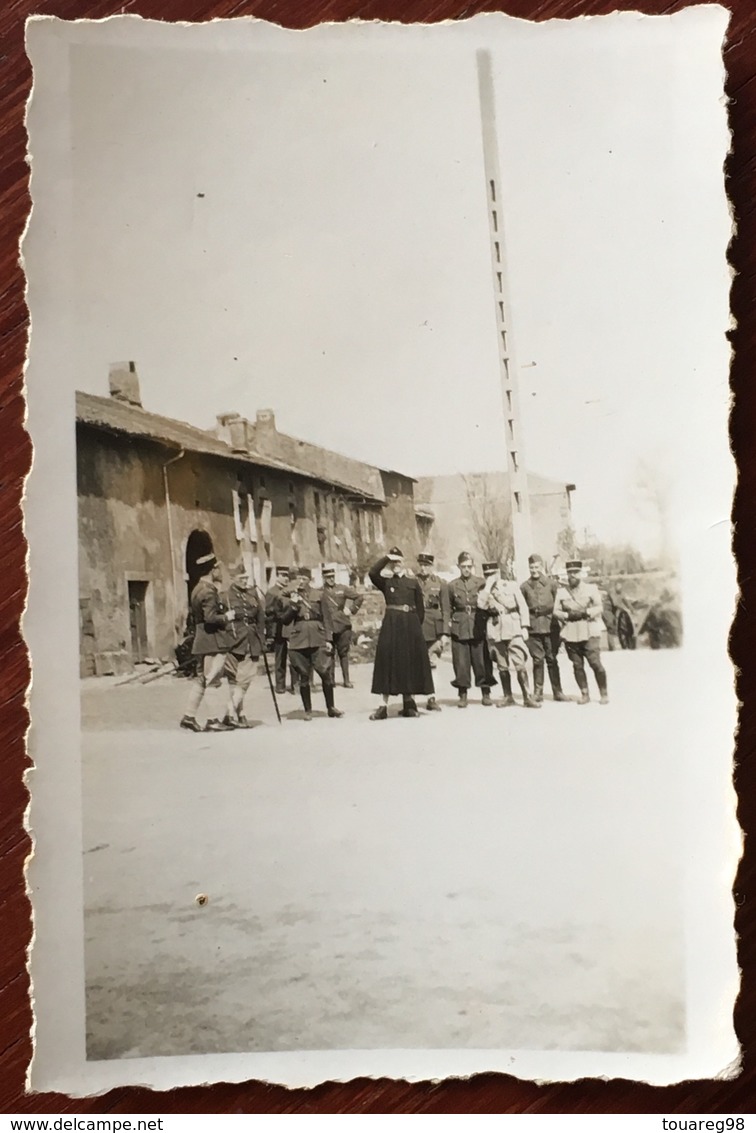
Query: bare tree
490	518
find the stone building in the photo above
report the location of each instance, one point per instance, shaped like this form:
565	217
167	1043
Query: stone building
156	494
452	511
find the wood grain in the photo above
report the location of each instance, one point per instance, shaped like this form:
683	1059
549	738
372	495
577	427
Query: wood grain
484	1093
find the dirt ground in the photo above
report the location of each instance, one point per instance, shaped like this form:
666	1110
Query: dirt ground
491	879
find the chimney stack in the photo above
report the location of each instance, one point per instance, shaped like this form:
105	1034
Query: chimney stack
266	421
124	383
233	430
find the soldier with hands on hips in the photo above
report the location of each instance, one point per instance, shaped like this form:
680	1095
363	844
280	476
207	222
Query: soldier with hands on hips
337	595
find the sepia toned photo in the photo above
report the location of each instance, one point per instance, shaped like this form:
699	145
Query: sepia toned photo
381	387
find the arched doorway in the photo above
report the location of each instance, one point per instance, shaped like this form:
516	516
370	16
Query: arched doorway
198	545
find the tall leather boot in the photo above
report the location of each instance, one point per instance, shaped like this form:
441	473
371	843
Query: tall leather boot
556	684
527	700
306	694
506	688
345	672
333	711
582	683
601	682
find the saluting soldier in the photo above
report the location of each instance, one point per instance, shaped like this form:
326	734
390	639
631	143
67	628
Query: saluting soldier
337	595
470	655
211	618
274	609
308	616
247	641
437	613
540	591
507	627
401	664
578	608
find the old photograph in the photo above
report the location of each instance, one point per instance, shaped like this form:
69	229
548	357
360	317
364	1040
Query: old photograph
378	388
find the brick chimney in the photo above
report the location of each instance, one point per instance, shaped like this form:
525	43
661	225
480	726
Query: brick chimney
266	435
124	383
234	430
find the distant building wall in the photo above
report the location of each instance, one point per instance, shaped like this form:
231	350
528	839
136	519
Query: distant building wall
453	528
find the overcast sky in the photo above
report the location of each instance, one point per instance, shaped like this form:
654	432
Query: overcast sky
305	228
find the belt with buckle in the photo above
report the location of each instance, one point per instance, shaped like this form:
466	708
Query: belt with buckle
404	609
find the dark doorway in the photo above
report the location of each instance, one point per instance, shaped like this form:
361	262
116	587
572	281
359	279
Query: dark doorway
138	620
198	545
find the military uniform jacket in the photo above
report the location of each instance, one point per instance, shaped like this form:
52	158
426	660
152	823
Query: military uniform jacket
507	610
437	607
540	595
584	603
467	621
247	631
337	597
308	622
211	633
275	600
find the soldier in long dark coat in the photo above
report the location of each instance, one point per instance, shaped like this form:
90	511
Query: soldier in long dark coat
211	617
337	595
310	638
247	641
470	654
402	667
437	612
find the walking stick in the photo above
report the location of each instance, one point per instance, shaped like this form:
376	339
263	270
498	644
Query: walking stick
270	683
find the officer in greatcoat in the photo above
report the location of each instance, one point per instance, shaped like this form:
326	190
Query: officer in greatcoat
274	607
470	655
507	627
540	591
247	641
308	617
211	618
578	608
337	595
437	613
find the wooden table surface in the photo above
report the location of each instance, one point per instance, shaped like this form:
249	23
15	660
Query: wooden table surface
489	1093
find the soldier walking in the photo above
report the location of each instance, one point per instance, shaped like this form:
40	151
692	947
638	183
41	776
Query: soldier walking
247	641
308	616
540	591
274	608
337	595
437	613
401	664
507	628
211	618
578	609
470	655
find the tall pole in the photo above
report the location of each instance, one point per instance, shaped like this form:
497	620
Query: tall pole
516	468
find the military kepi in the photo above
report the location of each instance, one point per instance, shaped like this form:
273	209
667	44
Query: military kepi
574	564
396	551
425	560
490	568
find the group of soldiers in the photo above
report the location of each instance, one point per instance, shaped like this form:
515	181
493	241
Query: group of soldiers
495	624
492	622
